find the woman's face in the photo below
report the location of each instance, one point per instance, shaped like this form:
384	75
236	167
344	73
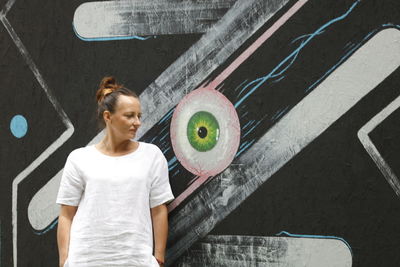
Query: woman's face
125	120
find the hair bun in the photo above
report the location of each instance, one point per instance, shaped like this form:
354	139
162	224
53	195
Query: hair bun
106	87
108	82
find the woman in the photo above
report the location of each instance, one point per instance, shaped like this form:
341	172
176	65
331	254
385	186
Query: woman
113	194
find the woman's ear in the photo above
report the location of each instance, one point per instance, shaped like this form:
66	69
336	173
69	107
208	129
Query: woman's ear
107	116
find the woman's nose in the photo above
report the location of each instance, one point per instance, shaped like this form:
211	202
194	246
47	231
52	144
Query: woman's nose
136	121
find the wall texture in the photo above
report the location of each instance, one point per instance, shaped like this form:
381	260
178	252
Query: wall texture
279	120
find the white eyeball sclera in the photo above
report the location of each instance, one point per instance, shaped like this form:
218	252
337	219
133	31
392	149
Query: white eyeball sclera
205	132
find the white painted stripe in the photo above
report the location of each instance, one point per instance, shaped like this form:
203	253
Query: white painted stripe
7	8
42	209
338	93
174	83
223	250
127	18
363	135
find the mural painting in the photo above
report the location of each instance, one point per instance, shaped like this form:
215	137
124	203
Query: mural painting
278	118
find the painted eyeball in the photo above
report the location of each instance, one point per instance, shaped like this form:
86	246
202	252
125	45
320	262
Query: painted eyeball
205	132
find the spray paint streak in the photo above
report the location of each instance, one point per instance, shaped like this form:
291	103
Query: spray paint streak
228	250
113	20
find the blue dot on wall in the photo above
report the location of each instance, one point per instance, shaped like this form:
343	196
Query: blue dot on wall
19	126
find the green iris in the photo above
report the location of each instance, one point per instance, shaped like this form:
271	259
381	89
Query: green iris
203	131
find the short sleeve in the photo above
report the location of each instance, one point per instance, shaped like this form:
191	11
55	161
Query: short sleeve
71	185
160	191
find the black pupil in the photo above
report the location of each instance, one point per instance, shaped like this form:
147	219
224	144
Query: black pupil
202	132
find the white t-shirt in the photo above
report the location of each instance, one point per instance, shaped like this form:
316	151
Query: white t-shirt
112	226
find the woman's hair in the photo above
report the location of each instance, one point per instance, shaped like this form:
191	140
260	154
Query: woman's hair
107	96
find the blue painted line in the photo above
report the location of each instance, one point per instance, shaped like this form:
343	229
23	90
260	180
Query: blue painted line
166	116
251	129
163	137
293	55
344	58
244	148
240	85
165	127
249	84
244	114
172	167
100	39
351	51
279	113
172	161
243	144
166	150
278	80
154	138
317	237
273	75
390	25
247	124
348	45
48	228
304	36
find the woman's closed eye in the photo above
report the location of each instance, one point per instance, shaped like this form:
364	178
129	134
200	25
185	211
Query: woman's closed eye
133	115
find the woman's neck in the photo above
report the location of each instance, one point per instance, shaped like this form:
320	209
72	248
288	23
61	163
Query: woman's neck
113	146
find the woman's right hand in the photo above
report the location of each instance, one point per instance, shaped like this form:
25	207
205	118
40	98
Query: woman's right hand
63	262
67	214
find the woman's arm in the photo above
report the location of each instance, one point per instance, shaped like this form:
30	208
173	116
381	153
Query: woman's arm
159	215
67	214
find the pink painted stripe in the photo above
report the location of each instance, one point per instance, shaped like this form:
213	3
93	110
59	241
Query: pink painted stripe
251	49
199	181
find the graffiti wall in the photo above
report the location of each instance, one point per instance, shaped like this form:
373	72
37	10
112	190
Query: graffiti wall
279	120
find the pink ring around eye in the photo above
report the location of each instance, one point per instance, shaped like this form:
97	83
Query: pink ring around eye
214	161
